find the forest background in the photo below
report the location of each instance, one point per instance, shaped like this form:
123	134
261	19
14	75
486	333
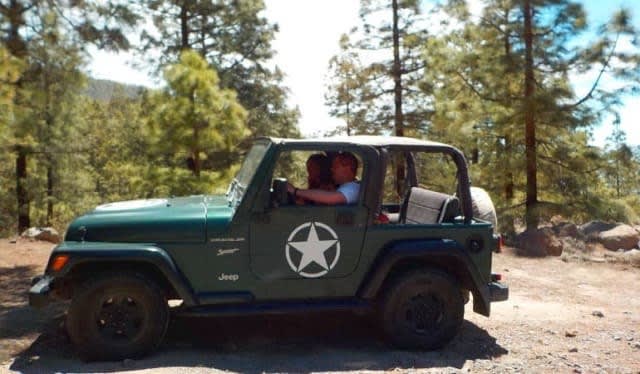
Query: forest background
498	86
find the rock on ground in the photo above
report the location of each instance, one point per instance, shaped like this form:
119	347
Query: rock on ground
564	229
595	227
620	237
48	234
539	243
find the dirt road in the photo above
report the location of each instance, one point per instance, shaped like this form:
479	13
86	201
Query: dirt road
563	315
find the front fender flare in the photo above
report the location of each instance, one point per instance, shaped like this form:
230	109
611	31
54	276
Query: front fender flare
428	253
85	253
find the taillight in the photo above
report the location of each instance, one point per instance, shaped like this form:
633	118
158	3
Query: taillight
496	277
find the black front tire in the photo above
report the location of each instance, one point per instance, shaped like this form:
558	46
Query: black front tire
118	316
422	309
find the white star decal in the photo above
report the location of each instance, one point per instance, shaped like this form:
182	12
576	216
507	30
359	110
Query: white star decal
313	250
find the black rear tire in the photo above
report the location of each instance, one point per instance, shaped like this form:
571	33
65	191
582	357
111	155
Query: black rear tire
117	316
422	309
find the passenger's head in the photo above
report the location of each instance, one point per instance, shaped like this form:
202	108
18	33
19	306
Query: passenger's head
318	171
344	167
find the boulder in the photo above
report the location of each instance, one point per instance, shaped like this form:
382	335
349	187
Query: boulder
595	227
564	229
540	242
620	237
48	234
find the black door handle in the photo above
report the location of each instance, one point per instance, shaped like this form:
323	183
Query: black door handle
345	218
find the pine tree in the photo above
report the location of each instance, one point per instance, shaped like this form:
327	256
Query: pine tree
47	116
235	38
346	91
511	70
9	73
194	115
387	87
23	22
622	170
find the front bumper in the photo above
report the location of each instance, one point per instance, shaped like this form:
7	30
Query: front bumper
498	291
40	292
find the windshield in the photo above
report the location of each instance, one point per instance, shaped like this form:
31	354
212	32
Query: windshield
251	162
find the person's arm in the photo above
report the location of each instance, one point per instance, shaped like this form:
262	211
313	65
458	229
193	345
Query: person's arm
321	196
318	196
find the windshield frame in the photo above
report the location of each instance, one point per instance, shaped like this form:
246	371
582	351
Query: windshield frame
247	172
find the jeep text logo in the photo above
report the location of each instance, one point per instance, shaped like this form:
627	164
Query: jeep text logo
228	277
312	249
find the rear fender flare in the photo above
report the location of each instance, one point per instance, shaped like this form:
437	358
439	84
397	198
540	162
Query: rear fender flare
428	253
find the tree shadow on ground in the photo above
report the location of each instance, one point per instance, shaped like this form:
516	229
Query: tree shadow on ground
292	343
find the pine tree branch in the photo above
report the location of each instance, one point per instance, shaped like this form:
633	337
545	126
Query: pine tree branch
414	69
555	161
600	74
474	89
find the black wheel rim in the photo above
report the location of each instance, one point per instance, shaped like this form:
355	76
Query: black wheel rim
422	313
120	318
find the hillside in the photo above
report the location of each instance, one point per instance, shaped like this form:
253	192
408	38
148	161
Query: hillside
104	90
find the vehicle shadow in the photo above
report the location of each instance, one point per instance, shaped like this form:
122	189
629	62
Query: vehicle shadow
292	343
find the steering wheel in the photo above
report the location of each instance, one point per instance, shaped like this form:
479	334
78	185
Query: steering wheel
279	193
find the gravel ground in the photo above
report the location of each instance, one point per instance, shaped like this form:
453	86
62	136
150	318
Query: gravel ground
564	315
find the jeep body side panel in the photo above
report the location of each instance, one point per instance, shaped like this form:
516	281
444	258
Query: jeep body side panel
218	266
90	254
220	261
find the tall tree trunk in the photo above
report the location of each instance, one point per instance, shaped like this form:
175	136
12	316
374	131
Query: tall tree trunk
24	221
532	217
15	15
195	151
50	183
197	163
508	222
348	120
18	48
184	26
397	91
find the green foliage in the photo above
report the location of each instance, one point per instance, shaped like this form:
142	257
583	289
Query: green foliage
235	38
10	68
607	209
49	37
74	152
383	95
104	24
477	75
193	115
347	89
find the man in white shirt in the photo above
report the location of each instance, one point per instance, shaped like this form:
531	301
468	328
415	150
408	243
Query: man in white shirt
344	168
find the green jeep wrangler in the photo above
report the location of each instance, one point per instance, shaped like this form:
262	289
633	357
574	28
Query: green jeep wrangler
411	258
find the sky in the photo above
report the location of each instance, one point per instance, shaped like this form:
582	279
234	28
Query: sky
308	38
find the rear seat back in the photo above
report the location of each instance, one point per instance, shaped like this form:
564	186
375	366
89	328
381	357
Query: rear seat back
430	207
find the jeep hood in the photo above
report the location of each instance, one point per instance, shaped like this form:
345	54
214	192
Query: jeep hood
182	219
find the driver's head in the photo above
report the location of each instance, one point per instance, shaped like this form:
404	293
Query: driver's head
344	167
318	170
